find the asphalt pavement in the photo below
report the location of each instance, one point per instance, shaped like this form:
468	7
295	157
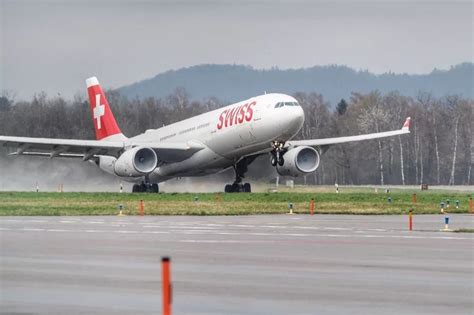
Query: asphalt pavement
275	264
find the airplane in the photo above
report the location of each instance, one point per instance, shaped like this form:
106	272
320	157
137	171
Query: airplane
232	136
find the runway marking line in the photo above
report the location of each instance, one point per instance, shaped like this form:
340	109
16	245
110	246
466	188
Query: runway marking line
219	241
296	234
262	234
155	232
229	233
221	232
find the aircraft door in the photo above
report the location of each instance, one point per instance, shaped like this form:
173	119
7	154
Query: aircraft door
257	129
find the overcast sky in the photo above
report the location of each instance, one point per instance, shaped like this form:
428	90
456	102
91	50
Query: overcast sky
54	45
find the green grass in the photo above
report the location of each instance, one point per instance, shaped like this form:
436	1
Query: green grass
52	203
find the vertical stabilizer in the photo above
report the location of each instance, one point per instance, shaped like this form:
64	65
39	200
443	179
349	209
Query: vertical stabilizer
105	126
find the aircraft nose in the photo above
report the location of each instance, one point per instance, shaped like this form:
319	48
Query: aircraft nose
298	116
294	119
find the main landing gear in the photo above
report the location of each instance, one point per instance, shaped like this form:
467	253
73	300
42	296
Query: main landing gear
277	153
146	186
240	169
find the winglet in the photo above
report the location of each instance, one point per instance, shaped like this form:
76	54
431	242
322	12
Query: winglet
406	125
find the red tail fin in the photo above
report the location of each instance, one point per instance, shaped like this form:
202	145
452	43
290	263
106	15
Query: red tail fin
104	121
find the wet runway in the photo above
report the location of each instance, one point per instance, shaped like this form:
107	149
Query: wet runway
280	264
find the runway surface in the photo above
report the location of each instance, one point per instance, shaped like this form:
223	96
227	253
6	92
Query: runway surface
280	264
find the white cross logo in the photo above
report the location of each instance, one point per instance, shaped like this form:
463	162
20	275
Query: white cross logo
99	110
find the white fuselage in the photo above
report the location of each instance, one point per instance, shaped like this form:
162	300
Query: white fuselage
228	134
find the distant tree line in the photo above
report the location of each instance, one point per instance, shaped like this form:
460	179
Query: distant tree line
232	83
440	149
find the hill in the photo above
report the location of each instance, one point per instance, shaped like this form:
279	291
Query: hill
236	82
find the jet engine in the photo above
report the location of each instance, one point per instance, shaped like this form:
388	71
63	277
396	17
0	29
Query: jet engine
299	161
106	163
136	162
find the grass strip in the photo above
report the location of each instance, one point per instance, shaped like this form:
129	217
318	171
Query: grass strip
76	203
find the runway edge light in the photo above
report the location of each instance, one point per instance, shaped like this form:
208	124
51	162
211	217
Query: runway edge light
446	224
120	207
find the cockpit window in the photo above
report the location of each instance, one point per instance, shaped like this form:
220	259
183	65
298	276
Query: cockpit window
281	104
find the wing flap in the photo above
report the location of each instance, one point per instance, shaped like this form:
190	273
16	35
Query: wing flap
87	149
60	147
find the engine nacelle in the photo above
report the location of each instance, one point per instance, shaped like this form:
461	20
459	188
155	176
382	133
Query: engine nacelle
106	163
136	162
299	161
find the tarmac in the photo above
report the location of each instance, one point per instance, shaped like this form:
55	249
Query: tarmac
269	264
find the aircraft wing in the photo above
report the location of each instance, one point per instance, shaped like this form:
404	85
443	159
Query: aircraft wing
89	149
329	141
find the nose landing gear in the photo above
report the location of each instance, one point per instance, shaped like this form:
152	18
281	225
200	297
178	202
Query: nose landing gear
277	153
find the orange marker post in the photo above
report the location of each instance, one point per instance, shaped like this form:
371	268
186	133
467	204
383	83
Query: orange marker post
166	281
311	206
410	219
413	199
142	207
471	207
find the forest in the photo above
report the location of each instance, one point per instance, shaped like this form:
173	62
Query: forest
439	150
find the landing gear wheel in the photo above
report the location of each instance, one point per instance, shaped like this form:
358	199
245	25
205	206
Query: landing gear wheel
277	153
236	187
145	187
273	160
136	188
240	169
281	161
247	188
